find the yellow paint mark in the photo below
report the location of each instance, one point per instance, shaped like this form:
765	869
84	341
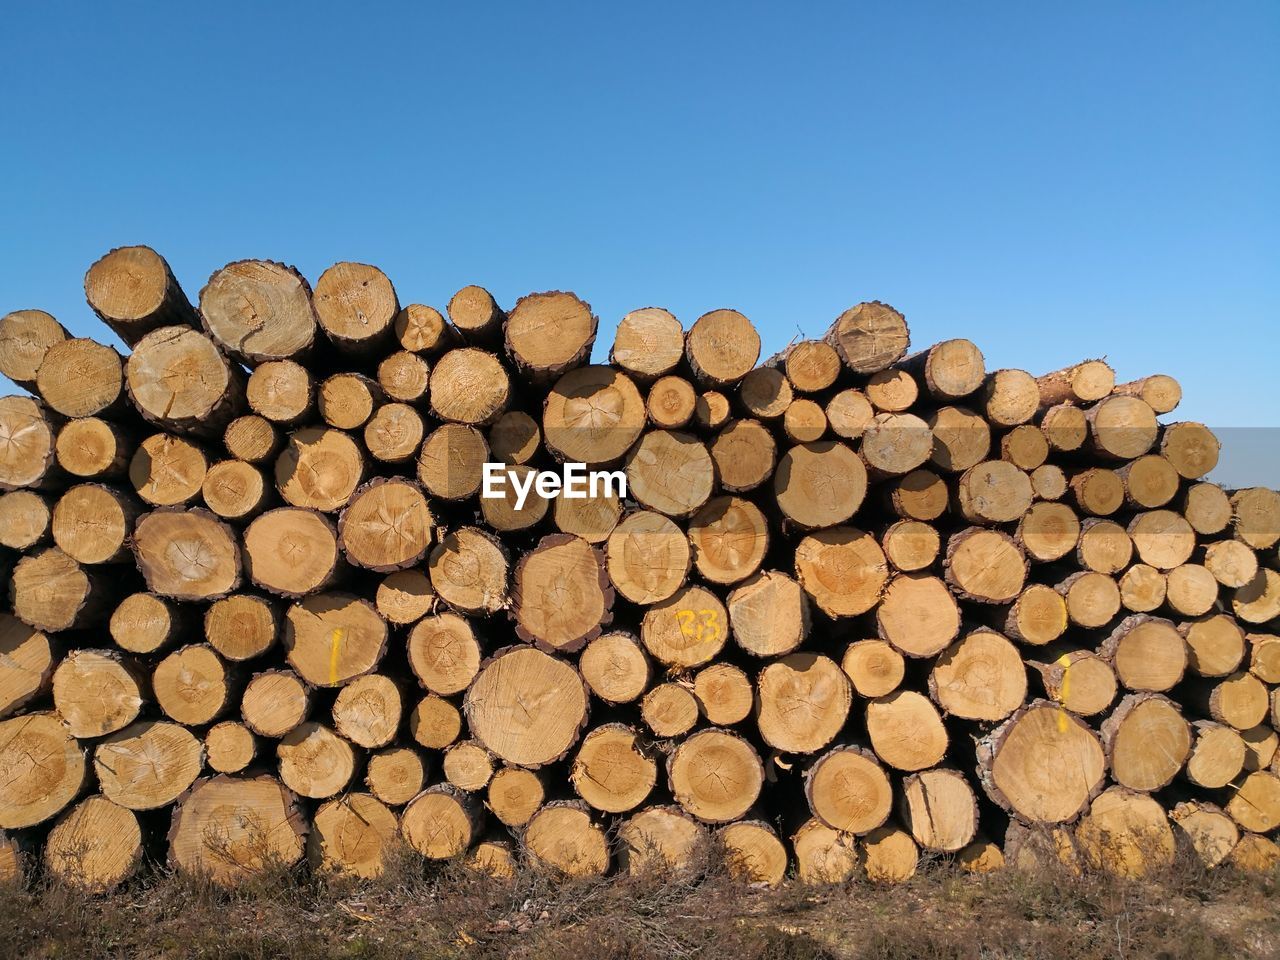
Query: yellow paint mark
335	644
1065	662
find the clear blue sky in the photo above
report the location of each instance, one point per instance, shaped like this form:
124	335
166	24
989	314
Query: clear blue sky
1052	181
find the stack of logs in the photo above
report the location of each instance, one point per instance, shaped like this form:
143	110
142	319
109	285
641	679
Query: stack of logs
856	606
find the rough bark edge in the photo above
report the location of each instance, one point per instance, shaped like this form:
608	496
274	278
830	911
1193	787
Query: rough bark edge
537	375
360	491
248	357
516	596
237	553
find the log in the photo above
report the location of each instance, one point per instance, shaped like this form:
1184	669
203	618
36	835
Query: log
145	623
314	761
1150	482
252	438
192	685
765	393
1097	491
442	822
1255	804
848	790
227	829
469	386
1065	427
869	337
910	545
92	522
1104	547
669	710
332	638
724	693
1258	601
919	495
715	775
1093	599
468	569
804	421
1079	680
894	444
1162	393
451	462
1262	745
281	391
44	769
29	432
25	518
819	484
291	551
27	661
97	692
1231	562
494	858
721	347
711	412
1255	854
275	702
843	570
1147	741
612	770
744	453
906	731
686	630
939	809
395	775
259	311
476	315
1126	834
979	677
367	711
670	403
133	291
729	537
560	594
874	667
514	795
985	566
1211	833
180	381
352	835
1049	482
949	370
593	415
25	338
186	554
1037	617
357	307
1255	516
1049	531
230	747
849	413
1026	447
1010	397
94	449
662	840
918	615
1143	588
592	518
615	667
889	855
444	653
548	334
50	591
1082	383
563	839
647	557
319	469
1264	657
753	852
1191	448
1122	428
823	855
468	766
235	490
994	491
404	377
386	526
1239	700
514	437
1217	755
1147	653
346	401
891	391
1207	508
768	614
95	846
648	344
435	722
1191	590
811	365
1162	538
961	439
168	471
668	471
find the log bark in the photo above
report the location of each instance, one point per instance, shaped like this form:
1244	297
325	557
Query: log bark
133	291
869	337
548	334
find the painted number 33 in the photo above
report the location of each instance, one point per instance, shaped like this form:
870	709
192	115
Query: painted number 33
699	625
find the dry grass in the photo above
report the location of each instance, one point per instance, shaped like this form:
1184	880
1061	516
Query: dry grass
420	911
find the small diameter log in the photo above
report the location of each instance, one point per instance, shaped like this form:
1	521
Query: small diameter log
848	790
1104	547
1264	657
192	685
145	623
906	731
91	523
1162	393
1191	590
1149	482
949	370
686	630
1147	653
889	855
45	769
186	554
451	461
1147	741
319	469
1259	600
367	711
404	597
1026	447
274	703
892	390
259	311
229	829
669	710
874	667
395	775
252	438
649	343
1211	833
1122	428
442	822
1049	482
729	537
167	471
514	795
1049	531
314	761
722	347
615	667
985	566
670	403
724	693
235	490
352	835
823	855
527	707
765	393
1255	804
1010	397
981	856
753	852
1092	599
475	315
1217	755
820	484
769	614
346	401
910	545
514	437
939	809
1255	854
1262	745
560	594
1065	428
94	448
612	770
804	421
281	391
662	840
918	615
802	702
27	454
435	722
387	525
27	661
133	291
97	692
444	653
744	453
356	306
468	571
1037	617
468	766
404	377
95	846
1083	383
25	518
230	747
1079	680
1255	516
961	439
843	570
50	591
492	857
332	638
711	412
980	677
548	334
501	513
669	471
894	444
469	386
993	492
291	551
562	838
1043	764
25	338
1191	448
715	775
1240	700
1126	834
1142	588
1207	508
869	337
179	380
1231	562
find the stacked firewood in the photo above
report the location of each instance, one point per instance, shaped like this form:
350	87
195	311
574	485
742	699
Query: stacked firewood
854	607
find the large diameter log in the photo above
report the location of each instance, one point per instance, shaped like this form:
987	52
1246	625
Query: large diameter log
95	846
187	554
28	447
949	370
1147	653
332	638
1122	428
319	468
918	615
980	677
50	591
314	761
81	378
560	594
469	571
527	707
386	526
1082	383
548	334
869	337
96	692
356	306
985	566
615	667
275	702
179	380
592	415
802	702
669	471
167	471
848	790
1211	833
1147	741
367	711
25	519
647	557
753	852
1126	834
1192	448
27	661
469	386
259	310
229	829
44	769
686	630
1079	680
133	291
729	536
291	551
353	835
1043	764
940	810
442	822
562	838
715	775
722	347
148	765
662	840
820	484
843	570
613	771
25	338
